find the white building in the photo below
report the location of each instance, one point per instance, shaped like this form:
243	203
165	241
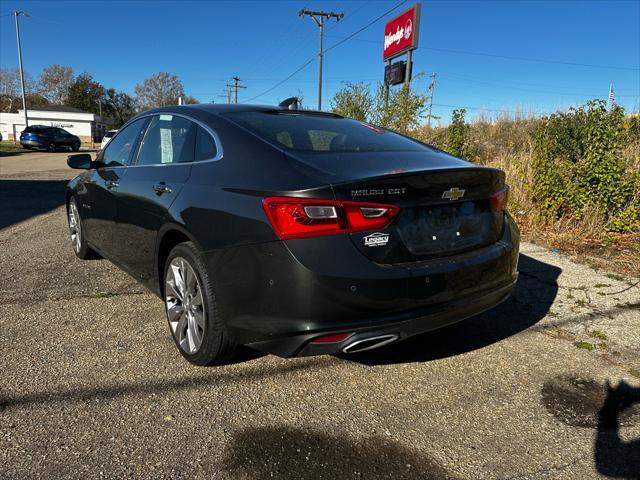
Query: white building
88	126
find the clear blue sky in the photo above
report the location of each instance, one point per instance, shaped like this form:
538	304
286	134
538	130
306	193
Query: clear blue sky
207	42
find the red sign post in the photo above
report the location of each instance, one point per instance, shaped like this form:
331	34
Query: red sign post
401	33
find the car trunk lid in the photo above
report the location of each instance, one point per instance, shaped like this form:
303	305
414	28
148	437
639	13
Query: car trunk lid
445	202
442	212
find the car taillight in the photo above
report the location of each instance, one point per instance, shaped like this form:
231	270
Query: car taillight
309	217
499	199
337	337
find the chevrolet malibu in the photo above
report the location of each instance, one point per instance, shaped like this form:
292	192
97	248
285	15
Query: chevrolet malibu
293	232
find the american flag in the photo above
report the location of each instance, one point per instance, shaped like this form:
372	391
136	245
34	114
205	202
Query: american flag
611	97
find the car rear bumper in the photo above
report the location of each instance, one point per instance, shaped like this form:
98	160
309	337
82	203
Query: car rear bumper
32	143
278	297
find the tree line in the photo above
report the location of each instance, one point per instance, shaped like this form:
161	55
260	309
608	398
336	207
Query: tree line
59	85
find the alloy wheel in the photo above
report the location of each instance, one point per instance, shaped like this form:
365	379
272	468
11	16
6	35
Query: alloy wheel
185	309
75	227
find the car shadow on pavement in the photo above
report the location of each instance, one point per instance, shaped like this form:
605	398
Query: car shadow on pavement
291	453
205	377
531	300
614	456
14	153
23	199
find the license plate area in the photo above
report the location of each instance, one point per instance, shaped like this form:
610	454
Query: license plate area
435	230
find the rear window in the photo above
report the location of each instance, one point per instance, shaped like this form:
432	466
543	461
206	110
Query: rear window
37	129
322	133
110	134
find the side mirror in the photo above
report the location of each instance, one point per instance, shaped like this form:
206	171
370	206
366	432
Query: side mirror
80	161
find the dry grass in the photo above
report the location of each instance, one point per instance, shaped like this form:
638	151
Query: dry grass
507	144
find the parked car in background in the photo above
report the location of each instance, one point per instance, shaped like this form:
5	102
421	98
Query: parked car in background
294	232
48	138
106	138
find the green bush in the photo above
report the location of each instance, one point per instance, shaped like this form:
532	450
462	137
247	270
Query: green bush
458	135
354	101
578	166
401	112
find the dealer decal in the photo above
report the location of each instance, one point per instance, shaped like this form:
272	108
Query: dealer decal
377	239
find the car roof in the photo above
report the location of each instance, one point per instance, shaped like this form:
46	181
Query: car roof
218	108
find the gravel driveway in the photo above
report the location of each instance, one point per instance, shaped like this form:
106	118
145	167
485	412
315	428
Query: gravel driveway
547	385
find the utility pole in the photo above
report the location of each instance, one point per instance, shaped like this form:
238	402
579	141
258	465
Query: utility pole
319	17
227	94
236	85
24	101
386	89
432	87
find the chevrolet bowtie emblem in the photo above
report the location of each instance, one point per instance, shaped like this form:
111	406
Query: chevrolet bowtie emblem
453	193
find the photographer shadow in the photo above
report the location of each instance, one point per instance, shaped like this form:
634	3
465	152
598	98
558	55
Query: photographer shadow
614	456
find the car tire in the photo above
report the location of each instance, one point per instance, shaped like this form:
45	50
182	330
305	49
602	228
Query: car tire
51	147
76	146
190	306
76	232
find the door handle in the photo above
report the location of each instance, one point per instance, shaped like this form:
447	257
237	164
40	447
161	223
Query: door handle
161	188
111	184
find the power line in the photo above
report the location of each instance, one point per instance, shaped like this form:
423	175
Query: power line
327	50
282	81
501	85
529	59
349	15
366	26
513	83
508	57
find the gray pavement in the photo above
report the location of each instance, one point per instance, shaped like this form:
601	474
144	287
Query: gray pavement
92	385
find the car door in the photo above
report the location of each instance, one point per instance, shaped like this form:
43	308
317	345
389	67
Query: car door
66	138
99	212
152	183
59	137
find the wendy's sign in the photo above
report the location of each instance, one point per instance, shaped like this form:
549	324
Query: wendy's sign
401	33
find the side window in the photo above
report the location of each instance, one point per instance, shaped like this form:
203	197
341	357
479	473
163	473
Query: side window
285	139
119	149
321	140
205	145
169	139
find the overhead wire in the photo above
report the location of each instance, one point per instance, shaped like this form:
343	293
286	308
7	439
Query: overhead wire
327	50
508	57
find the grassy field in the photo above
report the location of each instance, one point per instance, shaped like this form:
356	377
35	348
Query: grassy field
10	147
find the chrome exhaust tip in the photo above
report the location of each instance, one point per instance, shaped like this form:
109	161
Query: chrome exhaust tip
370	343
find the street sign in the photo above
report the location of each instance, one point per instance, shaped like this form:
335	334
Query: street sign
401	33
394	73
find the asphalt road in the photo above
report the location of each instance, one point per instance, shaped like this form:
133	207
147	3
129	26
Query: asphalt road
92	385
